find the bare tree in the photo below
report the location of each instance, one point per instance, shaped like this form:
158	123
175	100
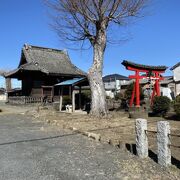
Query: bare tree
80	20
2	72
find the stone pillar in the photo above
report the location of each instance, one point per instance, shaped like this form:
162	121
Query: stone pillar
164	152
79	97
141	138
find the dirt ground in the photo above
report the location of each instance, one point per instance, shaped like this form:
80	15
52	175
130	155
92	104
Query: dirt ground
119	128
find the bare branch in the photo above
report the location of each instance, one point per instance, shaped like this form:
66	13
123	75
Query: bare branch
81	20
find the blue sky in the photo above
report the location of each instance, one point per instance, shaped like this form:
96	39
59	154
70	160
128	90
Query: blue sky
154	39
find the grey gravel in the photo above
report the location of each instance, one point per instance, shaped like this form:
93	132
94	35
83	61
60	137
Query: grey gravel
30	150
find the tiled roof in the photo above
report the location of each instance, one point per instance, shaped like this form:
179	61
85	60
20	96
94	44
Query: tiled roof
47	60
147	67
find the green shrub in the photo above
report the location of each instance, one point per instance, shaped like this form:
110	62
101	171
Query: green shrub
118	96
161	105
85	98
67	100
177	105
108	97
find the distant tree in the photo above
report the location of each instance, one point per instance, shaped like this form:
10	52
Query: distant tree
177	105
80	20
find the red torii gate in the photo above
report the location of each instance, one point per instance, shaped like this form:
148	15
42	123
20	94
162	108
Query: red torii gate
151	72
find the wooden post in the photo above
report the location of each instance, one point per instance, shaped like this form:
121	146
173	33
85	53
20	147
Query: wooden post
79	97
73	99
8	84
70	91
137	90
52	93
157	84
61	99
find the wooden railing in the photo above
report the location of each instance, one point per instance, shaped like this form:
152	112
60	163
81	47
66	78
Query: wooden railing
24	100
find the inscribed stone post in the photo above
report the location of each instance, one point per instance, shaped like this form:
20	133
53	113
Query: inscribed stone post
164	152
141	138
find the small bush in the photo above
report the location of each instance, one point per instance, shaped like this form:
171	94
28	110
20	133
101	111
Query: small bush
0	110
177	105
67	100
119	96
161	105
108	97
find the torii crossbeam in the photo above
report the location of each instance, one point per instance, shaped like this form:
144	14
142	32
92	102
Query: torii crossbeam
150	72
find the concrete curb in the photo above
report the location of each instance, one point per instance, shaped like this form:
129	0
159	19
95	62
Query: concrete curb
97	137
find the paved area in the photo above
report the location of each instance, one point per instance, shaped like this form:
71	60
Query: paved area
31	150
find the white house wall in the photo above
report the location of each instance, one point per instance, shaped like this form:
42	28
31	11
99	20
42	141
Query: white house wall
177	74
176	77
178	89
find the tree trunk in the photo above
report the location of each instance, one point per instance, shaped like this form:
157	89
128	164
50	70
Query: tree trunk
98	97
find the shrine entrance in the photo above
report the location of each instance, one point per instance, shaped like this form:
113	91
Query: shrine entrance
150	73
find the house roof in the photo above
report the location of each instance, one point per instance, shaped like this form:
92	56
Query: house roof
175	66
167	80
142	66
46	60
113	77
73	82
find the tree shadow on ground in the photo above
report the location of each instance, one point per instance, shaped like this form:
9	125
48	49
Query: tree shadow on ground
152	155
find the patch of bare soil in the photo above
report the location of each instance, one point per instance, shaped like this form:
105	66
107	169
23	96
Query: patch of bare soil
119	127
118	130
136	168
15	109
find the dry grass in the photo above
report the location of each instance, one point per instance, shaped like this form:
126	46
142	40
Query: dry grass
119	127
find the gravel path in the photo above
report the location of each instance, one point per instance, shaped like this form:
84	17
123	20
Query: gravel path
31	150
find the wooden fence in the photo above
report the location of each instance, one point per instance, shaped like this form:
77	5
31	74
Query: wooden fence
24	100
